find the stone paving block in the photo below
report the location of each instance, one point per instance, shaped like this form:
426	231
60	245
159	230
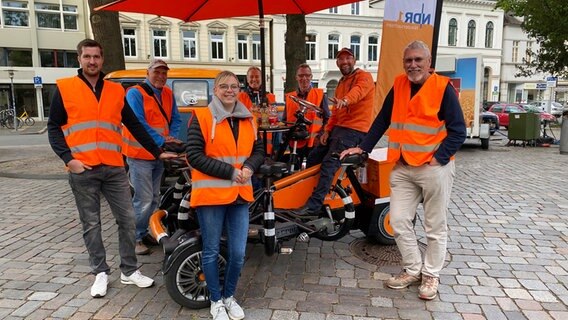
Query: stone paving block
311	316
282	304
64	312
507	304
27	308
543	296
536	315
445	316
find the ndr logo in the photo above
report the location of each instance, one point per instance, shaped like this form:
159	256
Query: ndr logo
415	17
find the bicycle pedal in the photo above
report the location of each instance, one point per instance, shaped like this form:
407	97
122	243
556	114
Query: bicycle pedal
303	237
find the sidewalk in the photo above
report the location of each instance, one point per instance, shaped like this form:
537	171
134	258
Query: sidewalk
507	256
39	127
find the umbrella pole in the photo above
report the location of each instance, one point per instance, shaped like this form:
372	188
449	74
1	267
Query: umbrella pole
263	101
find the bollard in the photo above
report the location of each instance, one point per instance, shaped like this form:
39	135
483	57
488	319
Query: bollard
564	136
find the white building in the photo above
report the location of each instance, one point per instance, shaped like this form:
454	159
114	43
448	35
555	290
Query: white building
355	25
227	44
38	39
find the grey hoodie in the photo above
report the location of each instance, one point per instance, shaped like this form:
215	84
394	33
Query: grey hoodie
219	114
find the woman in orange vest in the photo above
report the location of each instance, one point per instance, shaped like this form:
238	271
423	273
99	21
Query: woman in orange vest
224	152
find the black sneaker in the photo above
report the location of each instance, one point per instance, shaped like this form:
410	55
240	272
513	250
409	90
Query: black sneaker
149	240
305	211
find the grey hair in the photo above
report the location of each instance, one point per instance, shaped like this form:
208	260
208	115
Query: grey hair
418	45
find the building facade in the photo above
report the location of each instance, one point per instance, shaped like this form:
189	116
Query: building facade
39	39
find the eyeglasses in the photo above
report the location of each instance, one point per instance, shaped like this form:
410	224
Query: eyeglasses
304	75
226	87
417	60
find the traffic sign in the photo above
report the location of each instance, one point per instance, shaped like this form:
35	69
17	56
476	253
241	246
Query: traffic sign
541	86
551	82
37	82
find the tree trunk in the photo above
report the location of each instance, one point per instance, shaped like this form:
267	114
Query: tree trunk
295	48
106	30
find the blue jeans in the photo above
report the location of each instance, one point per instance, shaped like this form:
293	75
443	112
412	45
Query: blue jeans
213	220
112	183
145	177
339	139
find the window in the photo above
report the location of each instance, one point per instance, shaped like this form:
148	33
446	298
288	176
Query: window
129	42
332	45
333	10
515	52
489	35
189	39
528	52
311	46
15	57
471	33
58	59
217	40
256	46
15	13
49	16
242	46
355	8
373	54
356	46
160	42
453	32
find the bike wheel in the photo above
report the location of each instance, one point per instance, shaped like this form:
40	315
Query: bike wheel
185	280
343	218
10	123
29	121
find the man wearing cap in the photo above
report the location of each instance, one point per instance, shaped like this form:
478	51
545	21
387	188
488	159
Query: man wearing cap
155	107
350	120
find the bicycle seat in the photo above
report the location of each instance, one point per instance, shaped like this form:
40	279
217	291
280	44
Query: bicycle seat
352	159
175	147
175	164
299	132
274	169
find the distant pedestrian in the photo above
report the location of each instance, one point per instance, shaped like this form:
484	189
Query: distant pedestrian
84	130
426	129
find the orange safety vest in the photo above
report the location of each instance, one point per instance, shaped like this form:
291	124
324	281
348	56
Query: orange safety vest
155	119
315	96
220	145
415	132
92	131
245	99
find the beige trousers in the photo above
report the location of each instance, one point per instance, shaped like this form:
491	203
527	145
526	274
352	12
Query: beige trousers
432	185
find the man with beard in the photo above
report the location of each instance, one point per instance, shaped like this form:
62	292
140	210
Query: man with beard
84	130
426	128
349	122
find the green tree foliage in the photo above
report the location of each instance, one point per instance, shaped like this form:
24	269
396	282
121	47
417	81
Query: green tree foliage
547	22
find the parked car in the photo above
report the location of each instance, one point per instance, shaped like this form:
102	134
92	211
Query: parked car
556	108
488	104
544	116
502	111
492	119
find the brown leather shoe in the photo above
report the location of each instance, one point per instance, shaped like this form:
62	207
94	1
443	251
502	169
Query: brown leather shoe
149	241
141	249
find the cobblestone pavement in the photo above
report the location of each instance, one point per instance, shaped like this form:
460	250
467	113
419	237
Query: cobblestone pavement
507	256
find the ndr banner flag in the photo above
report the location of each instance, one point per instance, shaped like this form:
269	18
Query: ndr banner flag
404	21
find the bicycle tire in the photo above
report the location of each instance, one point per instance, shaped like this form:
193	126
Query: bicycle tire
342	223
10	123
29	121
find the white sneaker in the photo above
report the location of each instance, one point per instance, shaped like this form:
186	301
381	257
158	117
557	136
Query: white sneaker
99	288
233	309
136	278
218	310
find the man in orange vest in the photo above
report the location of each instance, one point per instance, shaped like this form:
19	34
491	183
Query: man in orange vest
251	98
84	130
426	128
155	107
346	128
316	96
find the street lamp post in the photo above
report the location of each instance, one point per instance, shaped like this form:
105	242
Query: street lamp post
11	74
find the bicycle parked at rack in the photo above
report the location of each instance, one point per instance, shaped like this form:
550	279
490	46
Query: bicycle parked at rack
7	119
